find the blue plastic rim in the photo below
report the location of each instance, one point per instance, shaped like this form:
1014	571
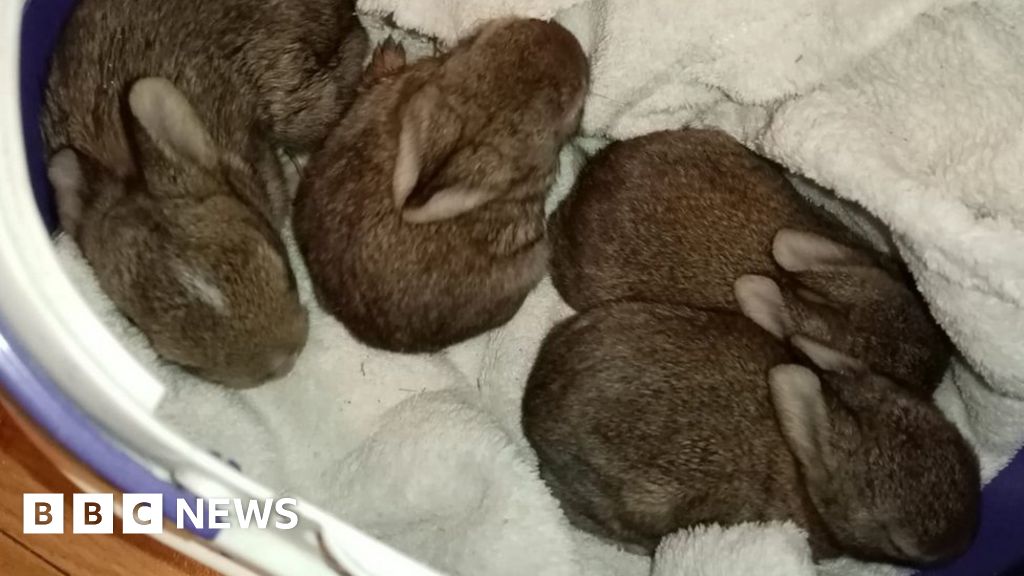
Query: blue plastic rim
42	23
998	550
25	381
37	396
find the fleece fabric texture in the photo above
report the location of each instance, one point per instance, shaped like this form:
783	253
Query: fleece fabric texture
910	108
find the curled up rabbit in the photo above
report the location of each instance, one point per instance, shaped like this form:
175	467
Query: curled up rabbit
678	216
648	418
421	221
163	119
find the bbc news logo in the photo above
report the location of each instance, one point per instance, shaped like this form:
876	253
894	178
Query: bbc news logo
144	513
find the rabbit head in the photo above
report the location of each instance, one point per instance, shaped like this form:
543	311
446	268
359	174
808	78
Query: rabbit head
490	120
891	478
844	311
178	157
181	247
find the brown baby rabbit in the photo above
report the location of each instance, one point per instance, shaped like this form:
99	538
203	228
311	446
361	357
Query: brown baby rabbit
844	312
678	216
422	219
648	418
163	118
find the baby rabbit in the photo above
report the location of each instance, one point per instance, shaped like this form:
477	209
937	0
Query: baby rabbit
162	118
648	418
678	216
422	219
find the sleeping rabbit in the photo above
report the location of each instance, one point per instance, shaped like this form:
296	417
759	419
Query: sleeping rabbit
162	119
421	221
648	418
678	216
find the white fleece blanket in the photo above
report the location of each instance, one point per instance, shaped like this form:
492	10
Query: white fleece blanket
912	108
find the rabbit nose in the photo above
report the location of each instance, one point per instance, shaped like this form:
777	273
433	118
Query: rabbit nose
282	364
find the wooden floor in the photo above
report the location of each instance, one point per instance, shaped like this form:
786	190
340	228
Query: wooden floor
23	468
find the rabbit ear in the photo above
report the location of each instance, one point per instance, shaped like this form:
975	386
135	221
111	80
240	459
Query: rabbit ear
761	300
68	181
446	204
826	358
803	417
170	122
799	251
429	136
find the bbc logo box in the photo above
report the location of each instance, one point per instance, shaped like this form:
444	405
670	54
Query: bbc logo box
92	513
144	513
43	514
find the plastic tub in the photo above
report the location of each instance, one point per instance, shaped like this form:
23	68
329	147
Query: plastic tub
69	375
63	369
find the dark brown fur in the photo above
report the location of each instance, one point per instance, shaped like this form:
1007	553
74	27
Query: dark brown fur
150	216
673	216
280	71
849	305
678	216
486	123
648	418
